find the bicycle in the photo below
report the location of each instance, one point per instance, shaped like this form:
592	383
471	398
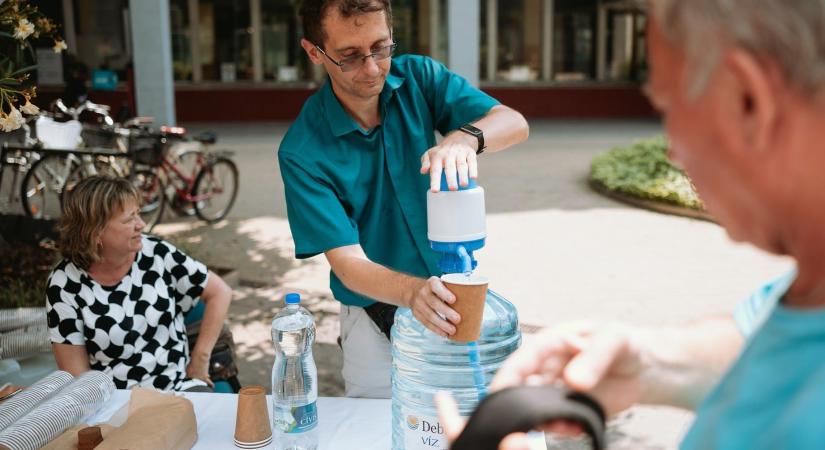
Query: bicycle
207	188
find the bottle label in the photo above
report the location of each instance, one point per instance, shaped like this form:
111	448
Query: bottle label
422	432
296	419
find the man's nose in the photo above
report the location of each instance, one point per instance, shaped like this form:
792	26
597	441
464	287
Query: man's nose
371	66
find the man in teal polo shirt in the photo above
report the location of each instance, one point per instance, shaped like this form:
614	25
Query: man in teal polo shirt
354	166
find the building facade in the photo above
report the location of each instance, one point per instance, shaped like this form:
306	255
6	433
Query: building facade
241	59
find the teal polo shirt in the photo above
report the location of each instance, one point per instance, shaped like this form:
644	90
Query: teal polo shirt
345	185
773	396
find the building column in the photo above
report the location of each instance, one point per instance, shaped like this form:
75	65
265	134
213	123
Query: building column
195	40
257	43
463	19
601	41
492	39
152	57
68	26
547	24
435	30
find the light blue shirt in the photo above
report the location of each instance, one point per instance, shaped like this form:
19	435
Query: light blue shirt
773	398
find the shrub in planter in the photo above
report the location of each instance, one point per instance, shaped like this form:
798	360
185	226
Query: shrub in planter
643	170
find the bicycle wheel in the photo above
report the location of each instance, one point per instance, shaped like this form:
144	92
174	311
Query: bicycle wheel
42	188
215	189
152	200
90	166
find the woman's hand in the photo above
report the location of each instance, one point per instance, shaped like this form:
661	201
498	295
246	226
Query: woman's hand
198	368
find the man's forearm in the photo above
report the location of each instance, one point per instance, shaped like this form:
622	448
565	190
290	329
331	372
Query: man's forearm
373	280
682	364
503	127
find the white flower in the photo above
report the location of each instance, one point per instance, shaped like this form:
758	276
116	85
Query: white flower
29	108
59	46
14	120
24	29
4	123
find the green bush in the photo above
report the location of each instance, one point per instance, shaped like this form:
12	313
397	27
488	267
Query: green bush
643	170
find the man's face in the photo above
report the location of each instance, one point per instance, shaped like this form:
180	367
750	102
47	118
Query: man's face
357	35
703	140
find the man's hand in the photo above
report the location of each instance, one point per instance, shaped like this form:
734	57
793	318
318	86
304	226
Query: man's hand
455	155
600	360
198	368
430	305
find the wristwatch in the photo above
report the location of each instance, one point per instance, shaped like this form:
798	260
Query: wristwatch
473	131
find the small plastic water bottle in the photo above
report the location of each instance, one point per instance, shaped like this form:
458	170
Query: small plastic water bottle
294	378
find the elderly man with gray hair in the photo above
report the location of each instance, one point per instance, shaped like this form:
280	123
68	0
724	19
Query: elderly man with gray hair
741	87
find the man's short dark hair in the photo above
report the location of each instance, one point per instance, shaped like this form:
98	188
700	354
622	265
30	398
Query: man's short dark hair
312	13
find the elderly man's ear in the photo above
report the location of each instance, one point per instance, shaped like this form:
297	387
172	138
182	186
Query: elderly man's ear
755	102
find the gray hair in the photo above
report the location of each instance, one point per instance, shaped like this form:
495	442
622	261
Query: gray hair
789	33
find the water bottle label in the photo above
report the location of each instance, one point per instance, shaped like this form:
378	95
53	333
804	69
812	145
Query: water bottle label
422	432
296	419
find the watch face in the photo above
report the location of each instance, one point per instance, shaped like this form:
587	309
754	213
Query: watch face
471	129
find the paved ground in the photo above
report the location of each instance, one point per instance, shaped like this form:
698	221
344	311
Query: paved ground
557	250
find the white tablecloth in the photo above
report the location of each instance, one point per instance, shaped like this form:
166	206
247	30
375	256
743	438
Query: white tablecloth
344	423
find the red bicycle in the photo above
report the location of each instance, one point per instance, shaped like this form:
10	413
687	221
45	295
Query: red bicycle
187	174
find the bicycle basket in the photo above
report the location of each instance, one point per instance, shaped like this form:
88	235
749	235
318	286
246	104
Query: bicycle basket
94	136
146	150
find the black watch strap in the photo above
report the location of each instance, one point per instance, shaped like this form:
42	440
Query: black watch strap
473	131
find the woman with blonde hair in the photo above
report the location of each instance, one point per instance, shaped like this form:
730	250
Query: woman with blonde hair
116	301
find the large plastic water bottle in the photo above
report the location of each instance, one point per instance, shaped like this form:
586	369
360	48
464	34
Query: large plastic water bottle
424	363
294	378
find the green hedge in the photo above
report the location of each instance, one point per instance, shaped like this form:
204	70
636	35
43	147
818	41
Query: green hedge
643	170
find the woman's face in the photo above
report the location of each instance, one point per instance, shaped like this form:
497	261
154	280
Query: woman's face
122	234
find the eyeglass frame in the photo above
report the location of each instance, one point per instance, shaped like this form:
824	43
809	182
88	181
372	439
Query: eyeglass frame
363	58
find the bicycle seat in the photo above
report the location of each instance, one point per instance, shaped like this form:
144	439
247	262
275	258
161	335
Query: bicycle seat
207	137
525	408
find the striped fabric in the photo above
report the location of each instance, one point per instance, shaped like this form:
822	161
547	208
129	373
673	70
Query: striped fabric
27	399
68	407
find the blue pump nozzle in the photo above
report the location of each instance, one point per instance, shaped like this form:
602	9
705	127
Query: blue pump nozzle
457	257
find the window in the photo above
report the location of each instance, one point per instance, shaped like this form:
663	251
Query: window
181	39
574	55
225	40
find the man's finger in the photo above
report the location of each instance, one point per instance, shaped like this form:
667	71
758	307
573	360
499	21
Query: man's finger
549	351
472	165
463	172
589	367
425	162
450	171
437	287
448	415
435	175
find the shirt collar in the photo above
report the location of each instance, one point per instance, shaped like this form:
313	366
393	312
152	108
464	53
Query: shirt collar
339	119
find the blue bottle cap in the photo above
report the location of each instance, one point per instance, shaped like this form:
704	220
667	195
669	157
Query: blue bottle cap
292	298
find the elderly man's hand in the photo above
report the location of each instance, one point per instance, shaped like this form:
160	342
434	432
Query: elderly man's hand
455	155
198	368
601	360
430	305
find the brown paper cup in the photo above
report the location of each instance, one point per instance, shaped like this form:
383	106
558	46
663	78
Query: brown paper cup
252	426
470	293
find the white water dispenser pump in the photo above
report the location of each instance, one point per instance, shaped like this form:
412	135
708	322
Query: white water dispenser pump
456	225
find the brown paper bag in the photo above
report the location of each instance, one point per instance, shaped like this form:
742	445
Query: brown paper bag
157	421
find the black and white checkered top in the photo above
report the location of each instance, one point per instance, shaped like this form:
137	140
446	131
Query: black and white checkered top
134	331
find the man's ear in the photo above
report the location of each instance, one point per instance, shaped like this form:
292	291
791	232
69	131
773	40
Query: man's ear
314	55
757	102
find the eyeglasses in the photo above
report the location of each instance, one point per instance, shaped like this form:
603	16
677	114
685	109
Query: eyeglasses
355	62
